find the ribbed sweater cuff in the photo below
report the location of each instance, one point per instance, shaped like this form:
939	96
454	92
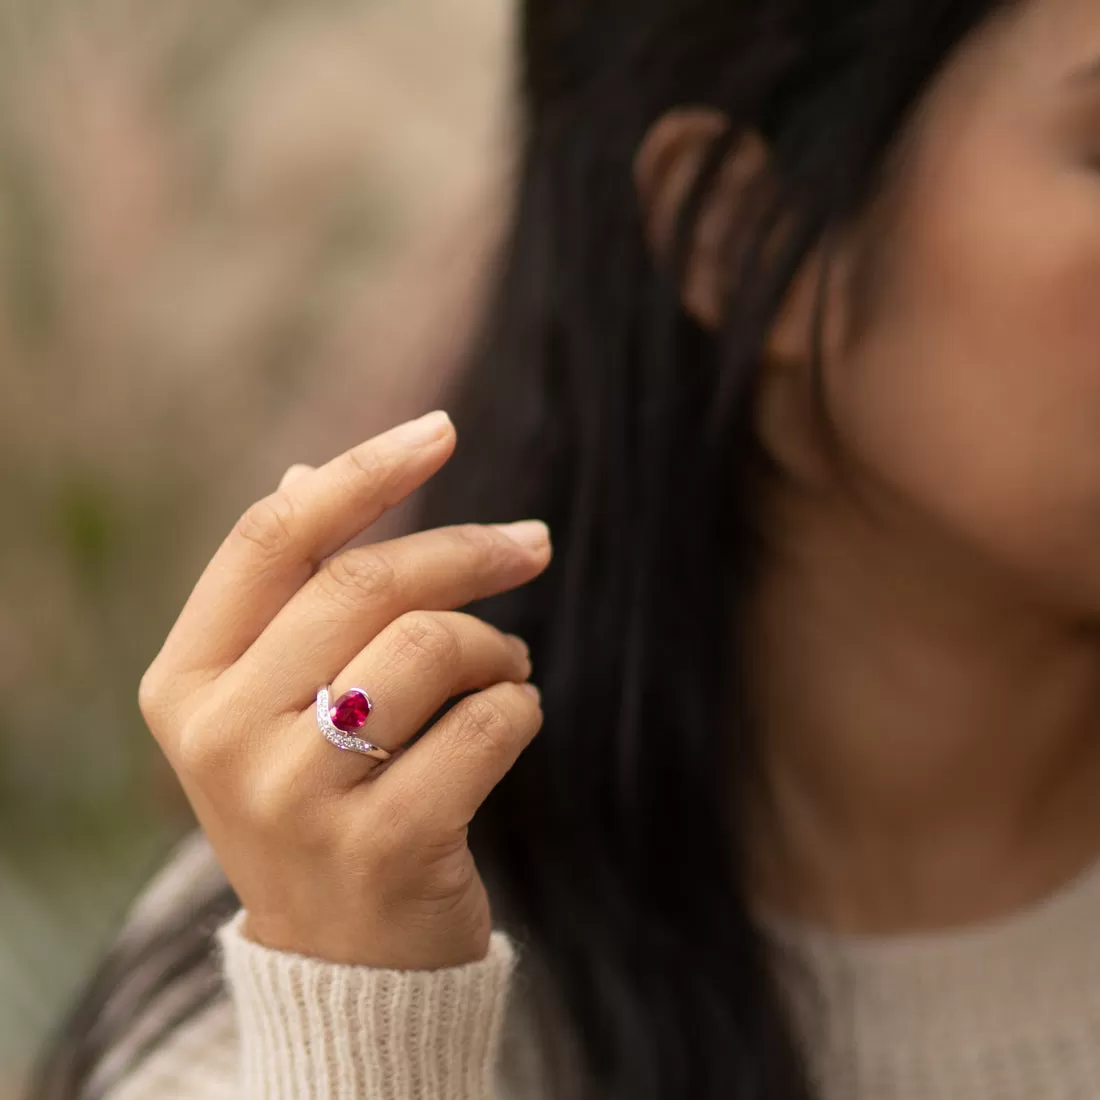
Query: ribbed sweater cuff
314	1030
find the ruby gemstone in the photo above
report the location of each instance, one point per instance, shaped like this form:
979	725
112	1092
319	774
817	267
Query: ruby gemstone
350	711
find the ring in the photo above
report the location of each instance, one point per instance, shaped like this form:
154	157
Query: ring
349	713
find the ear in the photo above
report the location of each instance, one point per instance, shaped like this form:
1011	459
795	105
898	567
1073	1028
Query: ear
665	167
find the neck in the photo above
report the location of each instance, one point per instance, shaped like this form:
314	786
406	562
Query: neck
928	747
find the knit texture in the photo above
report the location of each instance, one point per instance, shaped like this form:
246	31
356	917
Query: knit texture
312	1030
1008	1010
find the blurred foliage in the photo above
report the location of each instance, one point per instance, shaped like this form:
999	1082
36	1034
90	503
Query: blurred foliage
200	206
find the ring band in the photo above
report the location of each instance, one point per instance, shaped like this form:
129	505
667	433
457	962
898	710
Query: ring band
341	738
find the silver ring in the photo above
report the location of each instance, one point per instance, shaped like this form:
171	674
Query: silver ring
338	737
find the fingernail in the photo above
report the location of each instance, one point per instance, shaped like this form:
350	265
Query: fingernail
520	645
423	430
533	692
530	533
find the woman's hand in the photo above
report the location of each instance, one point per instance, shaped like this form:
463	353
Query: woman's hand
333	854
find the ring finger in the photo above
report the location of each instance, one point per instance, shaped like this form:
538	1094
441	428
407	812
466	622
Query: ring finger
410	671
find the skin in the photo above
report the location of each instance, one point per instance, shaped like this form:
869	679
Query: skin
333	854
926	660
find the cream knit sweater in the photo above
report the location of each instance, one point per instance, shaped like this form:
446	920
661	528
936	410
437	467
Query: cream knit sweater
1004	1011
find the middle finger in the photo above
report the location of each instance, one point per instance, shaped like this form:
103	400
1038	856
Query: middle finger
355	595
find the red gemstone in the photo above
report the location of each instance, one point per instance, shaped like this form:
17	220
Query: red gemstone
350	711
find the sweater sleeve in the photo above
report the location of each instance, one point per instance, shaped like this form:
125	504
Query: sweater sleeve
313	1030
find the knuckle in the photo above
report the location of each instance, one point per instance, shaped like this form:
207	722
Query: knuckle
149	695
204	746
269	524
483	717
357	572
367	463
450	878
269	805
427	640
197	754
486	546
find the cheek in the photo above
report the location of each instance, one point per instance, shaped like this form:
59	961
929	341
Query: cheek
973	398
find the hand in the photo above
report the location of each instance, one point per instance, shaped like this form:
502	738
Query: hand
333	854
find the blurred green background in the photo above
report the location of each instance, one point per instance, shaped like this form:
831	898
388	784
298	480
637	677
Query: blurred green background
234	235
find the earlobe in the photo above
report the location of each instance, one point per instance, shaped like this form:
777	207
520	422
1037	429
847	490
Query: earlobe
790	337
824	284
665	167
786	420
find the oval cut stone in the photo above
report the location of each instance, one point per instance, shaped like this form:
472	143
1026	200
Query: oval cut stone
350	711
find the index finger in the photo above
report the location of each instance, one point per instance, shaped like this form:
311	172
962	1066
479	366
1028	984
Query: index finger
279	541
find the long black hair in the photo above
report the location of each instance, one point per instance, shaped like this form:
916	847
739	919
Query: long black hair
593	401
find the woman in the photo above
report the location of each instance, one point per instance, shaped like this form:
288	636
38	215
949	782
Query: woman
795	350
